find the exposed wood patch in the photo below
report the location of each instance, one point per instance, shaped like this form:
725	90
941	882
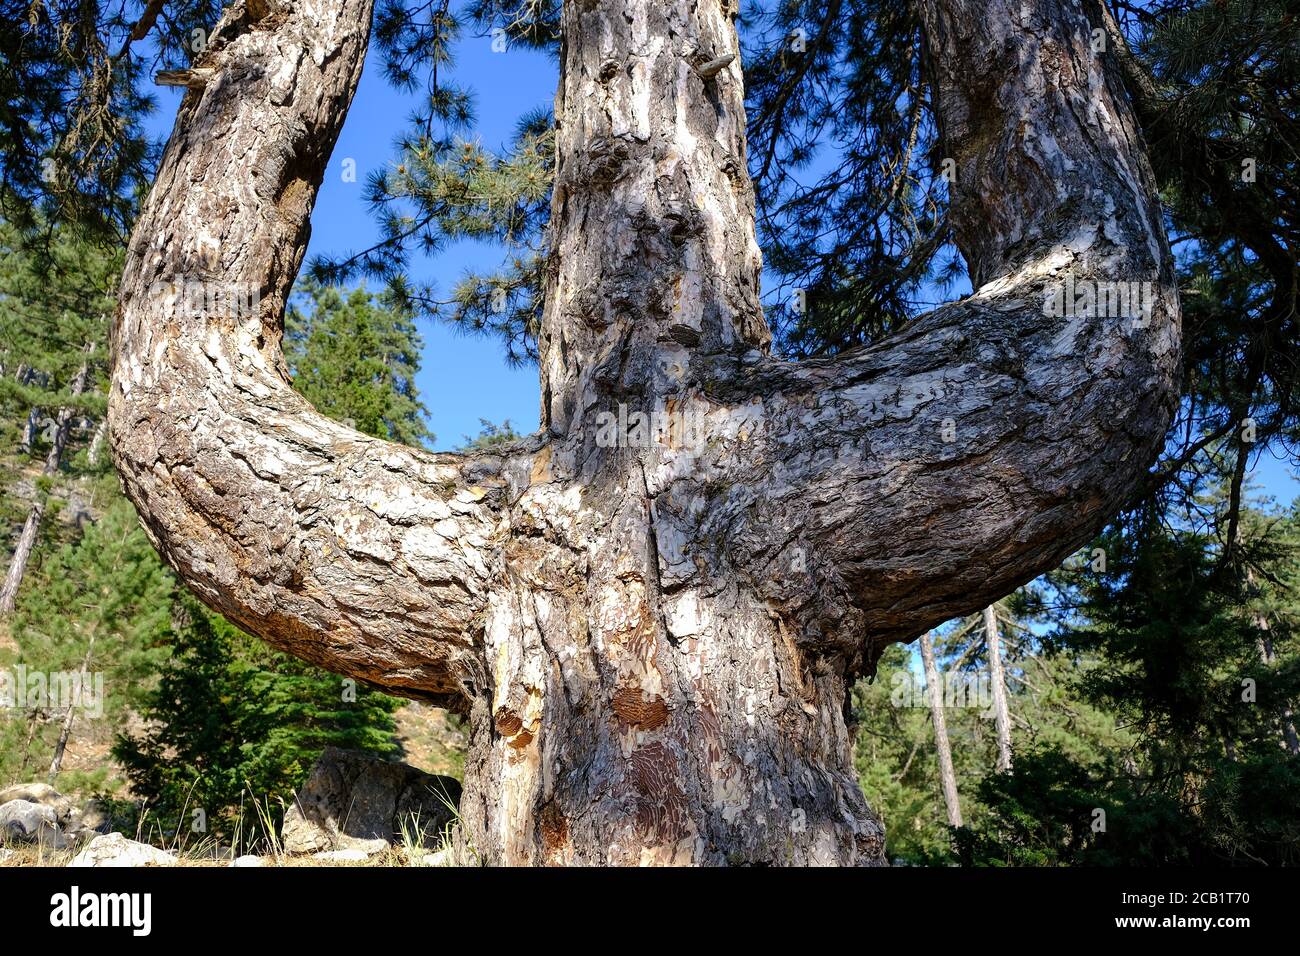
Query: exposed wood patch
635	708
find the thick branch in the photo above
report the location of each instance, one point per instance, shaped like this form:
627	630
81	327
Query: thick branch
889	489
363	556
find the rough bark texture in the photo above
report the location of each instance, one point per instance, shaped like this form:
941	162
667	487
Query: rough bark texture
350	552
653	630
942	747
998	680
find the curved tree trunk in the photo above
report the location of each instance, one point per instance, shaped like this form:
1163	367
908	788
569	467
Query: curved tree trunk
653	625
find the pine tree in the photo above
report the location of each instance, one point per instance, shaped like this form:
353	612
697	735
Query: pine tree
356	359
491	436
942	745
894	756
55	304
1173	641
445	189
77	86
102	607
895	735
233	728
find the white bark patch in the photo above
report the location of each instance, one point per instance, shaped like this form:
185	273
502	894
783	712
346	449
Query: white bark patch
685	616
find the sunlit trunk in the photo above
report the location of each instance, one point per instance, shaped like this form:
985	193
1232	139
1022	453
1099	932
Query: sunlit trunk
654	609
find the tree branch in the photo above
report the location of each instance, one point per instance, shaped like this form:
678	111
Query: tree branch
365	557
921	478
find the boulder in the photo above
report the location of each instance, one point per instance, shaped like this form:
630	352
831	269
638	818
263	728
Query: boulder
23	821
93	816
41	793
114	849
355	801
70	818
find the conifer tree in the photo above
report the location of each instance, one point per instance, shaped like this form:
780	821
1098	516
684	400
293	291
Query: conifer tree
491	435
356	359
233	728
1174	640
55	304
100	607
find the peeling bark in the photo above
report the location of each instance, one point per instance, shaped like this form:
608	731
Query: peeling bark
653	629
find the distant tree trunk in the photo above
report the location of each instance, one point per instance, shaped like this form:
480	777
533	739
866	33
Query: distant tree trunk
1286	715
65	731
1267	656
998	678
935	696
653	610
34	720
32	526
23	376
96	444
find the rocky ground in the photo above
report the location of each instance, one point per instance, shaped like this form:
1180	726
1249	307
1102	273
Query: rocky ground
14	856
353	810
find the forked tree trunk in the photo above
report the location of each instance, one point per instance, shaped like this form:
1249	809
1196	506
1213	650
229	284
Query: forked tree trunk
934	695
998	680
653	630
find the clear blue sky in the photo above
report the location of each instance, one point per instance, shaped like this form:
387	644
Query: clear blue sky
462	378
465	378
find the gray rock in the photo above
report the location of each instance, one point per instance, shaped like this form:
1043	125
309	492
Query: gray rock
247	861
70	818
93	816
26	822
41	793
5	855
354	801
114	849
44	795
441	858
342	856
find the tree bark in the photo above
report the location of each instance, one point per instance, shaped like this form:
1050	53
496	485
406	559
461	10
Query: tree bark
653	629
32	526
998	678
935	696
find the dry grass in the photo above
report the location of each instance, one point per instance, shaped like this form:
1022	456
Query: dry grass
398	856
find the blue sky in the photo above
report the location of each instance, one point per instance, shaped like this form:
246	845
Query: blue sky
462	378
465	378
